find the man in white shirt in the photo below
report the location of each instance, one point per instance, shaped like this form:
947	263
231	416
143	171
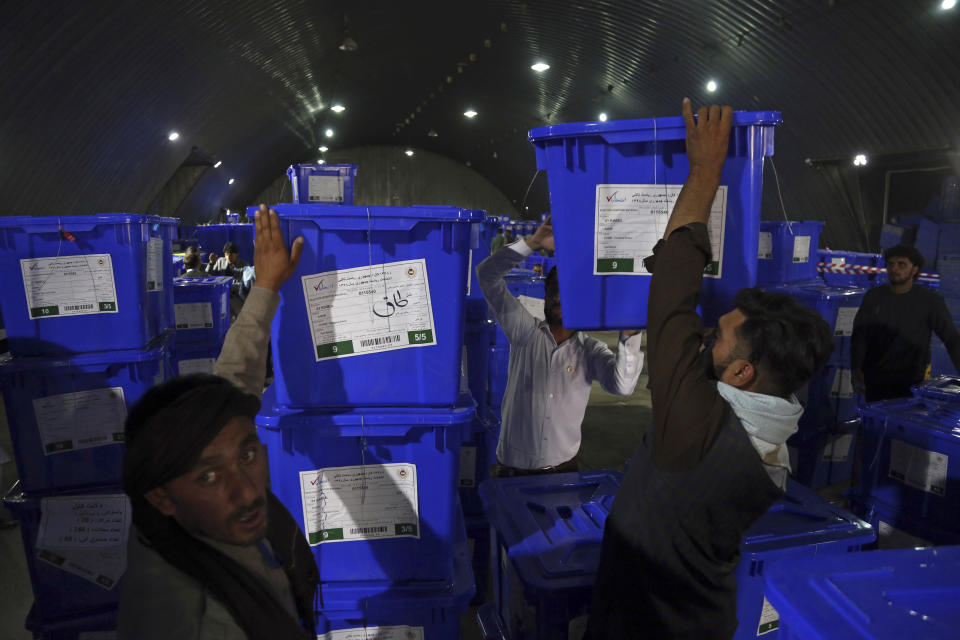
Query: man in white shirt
551	368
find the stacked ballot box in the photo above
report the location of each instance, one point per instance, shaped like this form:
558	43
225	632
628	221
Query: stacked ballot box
88	307
546	533
906	479
202	314
787	251
823	450
369	430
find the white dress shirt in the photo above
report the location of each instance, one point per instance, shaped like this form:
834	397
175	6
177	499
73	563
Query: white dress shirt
548	385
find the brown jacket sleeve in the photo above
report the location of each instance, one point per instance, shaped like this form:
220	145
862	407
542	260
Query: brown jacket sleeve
243	359
687	409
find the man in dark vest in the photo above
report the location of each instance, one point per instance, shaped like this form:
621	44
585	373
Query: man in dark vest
212	553
714	458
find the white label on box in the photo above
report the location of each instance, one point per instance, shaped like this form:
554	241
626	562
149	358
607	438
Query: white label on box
368	502
196	365
842	384
769	618
375	633
80	420
801	248
325	189
468	466
86	536
155	264
69	286
918	468
193	315
838	262
844	324
765	248
533	305
838	449
365	310
631	218
224	304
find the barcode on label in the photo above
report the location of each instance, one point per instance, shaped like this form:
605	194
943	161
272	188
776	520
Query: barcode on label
78	307
365	530
373	342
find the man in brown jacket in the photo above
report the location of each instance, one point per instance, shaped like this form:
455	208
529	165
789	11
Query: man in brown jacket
714	458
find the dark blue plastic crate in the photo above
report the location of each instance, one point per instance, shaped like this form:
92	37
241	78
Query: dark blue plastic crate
837	305
92	626
58	590
588	162
477	455
395	342
907	448
481	234
66	414
322	183
896	529
547	547
886	595
799	524
824	456
413	609
313	446
96	282
202	308
788	251
193	357
829	399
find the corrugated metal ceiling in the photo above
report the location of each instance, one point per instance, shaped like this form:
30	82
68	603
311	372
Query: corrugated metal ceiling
89	90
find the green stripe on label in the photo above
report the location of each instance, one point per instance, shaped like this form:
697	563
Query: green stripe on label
712	269
53	447
334	349
405	529
420	337
40	312
615	265
108	306
768	627
118	437
50	557
325	535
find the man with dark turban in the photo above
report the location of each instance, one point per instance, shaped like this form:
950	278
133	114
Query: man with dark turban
212	553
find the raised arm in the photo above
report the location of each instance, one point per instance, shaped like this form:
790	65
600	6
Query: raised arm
243	359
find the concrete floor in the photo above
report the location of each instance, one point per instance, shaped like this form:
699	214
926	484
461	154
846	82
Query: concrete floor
612	429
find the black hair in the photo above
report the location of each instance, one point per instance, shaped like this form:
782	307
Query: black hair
552	283
191	257
230	247
787	342
905	251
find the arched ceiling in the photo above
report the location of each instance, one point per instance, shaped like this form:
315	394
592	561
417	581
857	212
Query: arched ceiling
90	90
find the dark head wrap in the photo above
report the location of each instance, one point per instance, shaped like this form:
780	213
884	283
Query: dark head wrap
166	432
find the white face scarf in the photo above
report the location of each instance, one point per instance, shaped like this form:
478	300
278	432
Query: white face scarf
769	421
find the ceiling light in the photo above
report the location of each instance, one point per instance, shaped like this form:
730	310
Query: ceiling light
348	44
540	67
173	136
338	108
432	134
323	149
711	86
409	152
860	160
328	133
321	161
470	113
602	117
948	4
219	162
231	180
